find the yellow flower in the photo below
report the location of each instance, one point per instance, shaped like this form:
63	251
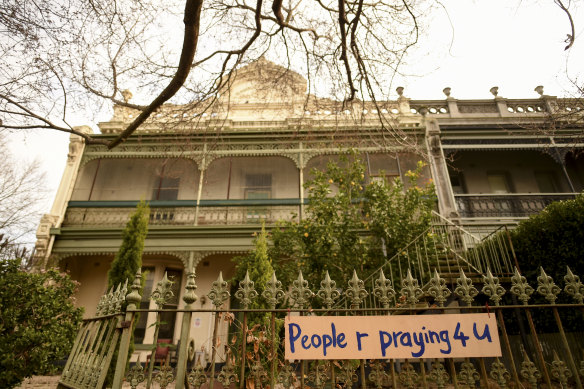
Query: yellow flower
330	180
306	234
352	183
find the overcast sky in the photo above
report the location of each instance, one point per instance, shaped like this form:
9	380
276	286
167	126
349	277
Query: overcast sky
515	45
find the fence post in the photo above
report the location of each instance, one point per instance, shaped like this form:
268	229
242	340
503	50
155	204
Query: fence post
189	298
133	299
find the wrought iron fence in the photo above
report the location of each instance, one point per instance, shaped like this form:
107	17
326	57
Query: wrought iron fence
533	355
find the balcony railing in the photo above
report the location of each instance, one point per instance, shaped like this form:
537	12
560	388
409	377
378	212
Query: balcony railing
185	213
506	205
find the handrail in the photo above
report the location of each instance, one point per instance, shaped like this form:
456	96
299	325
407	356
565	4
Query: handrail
185	203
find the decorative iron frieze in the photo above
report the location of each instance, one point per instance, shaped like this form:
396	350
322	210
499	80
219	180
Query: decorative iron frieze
529	371
560	371
378	375
492	288
410	290
287	376
219	291
520	287
408	376
438	289
227	376
439	375
197	376
468	374
273	294
258	373
165	376
136	374
356	292
547	288
383	290
465	289
574	287
328	291
300	294
346	375
246	292
163	292
500	373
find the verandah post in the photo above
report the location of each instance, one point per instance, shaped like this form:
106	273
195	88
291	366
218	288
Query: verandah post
133	299
189	298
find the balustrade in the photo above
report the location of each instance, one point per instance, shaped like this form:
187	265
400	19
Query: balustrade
507	205
206	215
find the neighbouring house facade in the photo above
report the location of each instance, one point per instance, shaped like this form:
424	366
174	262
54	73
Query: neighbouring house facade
212	176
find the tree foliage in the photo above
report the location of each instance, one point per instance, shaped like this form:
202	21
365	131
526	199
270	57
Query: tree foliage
257	263
126	264
348	220
129	257
553	239
38	321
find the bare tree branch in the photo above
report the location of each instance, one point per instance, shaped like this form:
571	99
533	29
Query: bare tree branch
191	20
92	52
572	36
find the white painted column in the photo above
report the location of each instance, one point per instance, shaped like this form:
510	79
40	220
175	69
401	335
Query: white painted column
45	240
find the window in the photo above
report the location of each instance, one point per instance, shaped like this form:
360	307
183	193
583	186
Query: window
383	178
168	319
457	182
257	187
382	167
499	182
546	182
167	188
144	304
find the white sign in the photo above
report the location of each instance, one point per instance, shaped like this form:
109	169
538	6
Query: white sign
398	336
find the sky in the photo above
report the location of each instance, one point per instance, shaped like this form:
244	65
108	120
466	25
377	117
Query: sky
470	46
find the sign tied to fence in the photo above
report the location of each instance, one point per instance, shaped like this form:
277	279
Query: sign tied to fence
384	337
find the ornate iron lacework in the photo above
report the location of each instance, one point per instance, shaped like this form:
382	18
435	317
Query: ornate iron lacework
536	142
328	291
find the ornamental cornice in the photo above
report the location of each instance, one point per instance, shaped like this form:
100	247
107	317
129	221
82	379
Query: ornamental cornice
183	256
212	156
307	155
203	157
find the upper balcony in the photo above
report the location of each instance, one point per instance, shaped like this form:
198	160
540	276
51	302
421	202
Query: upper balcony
511	205
512	183
229	191
182	213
